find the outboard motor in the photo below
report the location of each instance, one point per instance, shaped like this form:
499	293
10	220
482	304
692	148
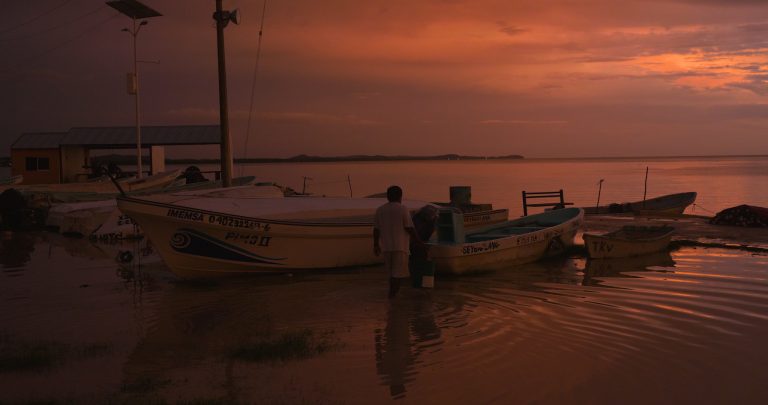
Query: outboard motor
13	209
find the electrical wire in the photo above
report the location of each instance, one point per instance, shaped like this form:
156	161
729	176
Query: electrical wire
253	83
64	43
35	18
55	27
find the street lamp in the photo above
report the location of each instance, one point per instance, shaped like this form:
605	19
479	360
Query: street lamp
136	11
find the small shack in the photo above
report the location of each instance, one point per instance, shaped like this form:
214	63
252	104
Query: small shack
64	157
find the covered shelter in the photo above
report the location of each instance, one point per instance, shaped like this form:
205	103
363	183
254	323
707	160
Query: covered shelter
64	157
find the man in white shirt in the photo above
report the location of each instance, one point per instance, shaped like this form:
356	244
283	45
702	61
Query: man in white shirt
392	232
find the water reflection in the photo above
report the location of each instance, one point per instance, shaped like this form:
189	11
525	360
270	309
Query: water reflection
15	251
618	267
410	331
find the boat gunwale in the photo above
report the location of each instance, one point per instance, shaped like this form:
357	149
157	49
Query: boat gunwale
613	236
577	217
255	219
680	200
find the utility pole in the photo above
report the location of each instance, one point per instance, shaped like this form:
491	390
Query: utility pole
134	33
223	17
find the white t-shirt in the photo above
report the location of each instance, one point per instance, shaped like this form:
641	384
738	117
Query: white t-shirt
391	220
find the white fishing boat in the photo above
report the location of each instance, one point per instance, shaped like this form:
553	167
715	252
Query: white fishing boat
484	218
107	222
475	215
226	232
629	241
17	179
502	245
118	226
58	213
45	195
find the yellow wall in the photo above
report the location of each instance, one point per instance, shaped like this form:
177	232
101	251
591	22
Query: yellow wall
73	158
19	165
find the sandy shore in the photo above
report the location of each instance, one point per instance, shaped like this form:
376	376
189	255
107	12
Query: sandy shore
689	230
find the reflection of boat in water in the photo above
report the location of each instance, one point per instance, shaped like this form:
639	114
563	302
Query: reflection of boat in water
628	241
509	243
671	204
614	267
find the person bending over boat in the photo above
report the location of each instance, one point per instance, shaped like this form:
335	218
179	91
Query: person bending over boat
392	233
418	264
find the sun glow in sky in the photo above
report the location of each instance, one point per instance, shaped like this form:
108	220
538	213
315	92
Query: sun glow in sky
552	78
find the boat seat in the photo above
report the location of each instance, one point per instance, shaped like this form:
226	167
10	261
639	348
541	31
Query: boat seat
483	237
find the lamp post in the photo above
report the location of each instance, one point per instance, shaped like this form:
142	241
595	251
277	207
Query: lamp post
223	17
136	11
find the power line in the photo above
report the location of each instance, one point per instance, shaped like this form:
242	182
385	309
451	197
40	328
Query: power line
67	42
35	18
253	84
55	27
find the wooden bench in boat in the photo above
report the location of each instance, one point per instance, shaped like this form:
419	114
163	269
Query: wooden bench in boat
544	194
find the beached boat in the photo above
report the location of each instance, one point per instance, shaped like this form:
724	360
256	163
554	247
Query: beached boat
44	195
17	179
481	218
628	241
118	226
475	215
100	216
225	232
502	245
672	204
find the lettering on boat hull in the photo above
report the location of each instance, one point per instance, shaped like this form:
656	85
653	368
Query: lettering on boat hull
195	243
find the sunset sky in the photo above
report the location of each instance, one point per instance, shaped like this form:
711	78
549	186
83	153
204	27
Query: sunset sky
546	78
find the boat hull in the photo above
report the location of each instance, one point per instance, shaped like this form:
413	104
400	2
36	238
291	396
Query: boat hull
484	218
607	246
672	204
505	252
195	242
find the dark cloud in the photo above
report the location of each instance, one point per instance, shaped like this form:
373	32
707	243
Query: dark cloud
395	76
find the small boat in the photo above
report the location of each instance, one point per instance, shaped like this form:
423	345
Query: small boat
229	232
502	245
17	179
475	215
671	204
483	218
628	241
102	188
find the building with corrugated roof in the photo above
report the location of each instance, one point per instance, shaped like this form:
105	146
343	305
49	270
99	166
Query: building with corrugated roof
64	157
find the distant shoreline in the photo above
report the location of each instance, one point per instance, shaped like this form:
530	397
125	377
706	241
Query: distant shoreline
126	159
130	159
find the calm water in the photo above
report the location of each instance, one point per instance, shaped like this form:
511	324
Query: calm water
720	182
685	327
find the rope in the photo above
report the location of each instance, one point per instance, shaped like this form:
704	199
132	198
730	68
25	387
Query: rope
253	83
699	206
